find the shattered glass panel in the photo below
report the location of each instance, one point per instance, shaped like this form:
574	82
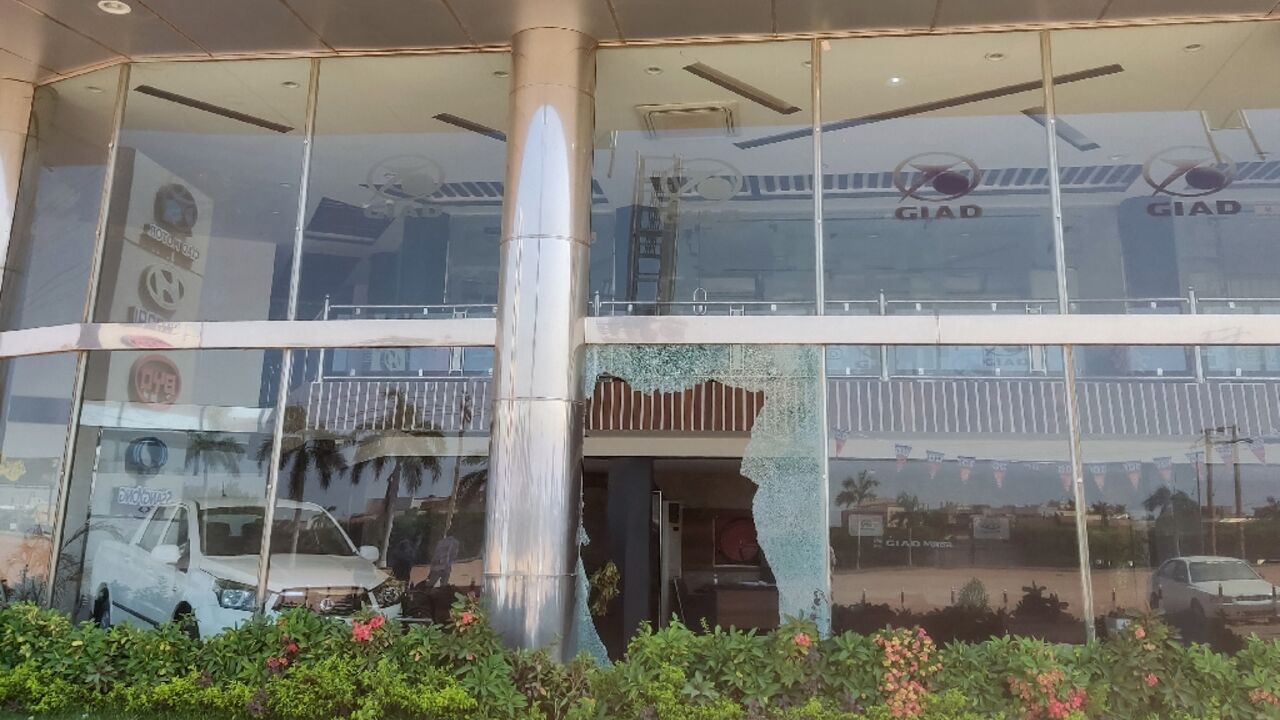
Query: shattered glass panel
784	457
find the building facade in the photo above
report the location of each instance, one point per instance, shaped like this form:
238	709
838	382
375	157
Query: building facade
976	328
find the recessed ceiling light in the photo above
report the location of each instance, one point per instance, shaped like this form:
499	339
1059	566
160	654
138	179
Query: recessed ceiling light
286	185
289	84
653	70
94	89
501	73
114	7
1193	47
893	81
995	56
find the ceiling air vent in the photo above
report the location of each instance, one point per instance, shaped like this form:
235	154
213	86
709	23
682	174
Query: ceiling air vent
710	118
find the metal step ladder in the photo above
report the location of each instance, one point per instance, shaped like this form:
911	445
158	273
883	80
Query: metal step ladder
654	234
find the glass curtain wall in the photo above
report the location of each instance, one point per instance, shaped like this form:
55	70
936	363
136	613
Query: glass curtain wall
382	476
951	505
205	192
164	514
698	207
1182	500
936	193
35	406
46	275
404	206
1169	180
1169	191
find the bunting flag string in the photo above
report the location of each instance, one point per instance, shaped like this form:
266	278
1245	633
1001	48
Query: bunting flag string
1133	469
1258	447
1064	474
1226	451
1099	472
842	437
1165	466
934	459
999	468
902	453
966	467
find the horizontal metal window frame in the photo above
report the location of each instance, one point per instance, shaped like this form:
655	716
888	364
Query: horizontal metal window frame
979	330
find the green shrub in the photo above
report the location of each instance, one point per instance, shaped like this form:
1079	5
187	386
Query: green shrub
300	666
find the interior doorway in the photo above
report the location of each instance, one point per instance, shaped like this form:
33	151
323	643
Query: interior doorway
681	534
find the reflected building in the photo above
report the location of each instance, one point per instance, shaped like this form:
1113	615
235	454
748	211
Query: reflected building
853	329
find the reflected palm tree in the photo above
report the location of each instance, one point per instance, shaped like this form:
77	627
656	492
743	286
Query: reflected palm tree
408	472
302	457
909	517
1106	511
854	492
1172	504
213	451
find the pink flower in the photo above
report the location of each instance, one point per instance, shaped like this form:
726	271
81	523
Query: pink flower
1151	680
1139	633
376	622
291	648
466	618
361	632
803	640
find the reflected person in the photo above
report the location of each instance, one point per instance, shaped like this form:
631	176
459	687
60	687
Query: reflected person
442	560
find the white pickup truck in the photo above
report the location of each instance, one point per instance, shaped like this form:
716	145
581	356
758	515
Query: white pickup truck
196	561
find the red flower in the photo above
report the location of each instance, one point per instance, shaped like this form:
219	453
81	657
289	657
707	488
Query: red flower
376	622
466	618
803	640
360	632
291	648
1151	680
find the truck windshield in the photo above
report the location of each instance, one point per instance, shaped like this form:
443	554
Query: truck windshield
231	531
1221	571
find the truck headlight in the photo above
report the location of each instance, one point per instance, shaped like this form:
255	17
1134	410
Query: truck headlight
389	593
236	596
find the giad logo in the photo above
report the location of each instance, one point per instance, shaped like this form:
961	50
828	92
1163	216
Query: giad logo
936	178
1189	172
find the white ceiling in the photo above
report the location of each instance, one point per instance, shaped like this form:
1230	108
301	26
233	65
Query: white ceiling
42	40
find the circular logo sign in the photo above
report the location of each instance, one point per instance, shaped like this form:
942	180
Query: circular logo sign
936	176
145	456
161	287
1188	171
154	380
175	209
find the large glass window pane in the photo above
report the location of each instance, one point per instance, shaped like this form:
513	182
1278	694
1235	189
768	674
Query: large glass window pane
1168	168
405	200
35	404
205	192
950	506
46	276
165	511
1182	500
383	473
936	195
703	181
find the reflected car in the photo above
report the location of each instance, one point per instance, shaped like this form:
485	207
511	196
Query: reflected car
1209	585
196	562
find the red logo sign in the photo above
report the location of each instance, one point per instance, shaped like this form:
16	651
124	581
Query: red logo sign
154	380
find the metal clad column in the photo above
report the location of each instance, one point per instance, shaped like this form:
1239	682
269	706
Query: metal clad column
15	114
536	448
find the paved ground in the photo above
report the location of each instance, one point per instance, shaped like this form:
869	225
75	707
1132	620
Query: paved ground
927	588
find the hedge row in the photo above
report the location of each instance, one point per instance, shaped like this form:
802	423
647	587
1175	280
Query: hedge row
300	666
